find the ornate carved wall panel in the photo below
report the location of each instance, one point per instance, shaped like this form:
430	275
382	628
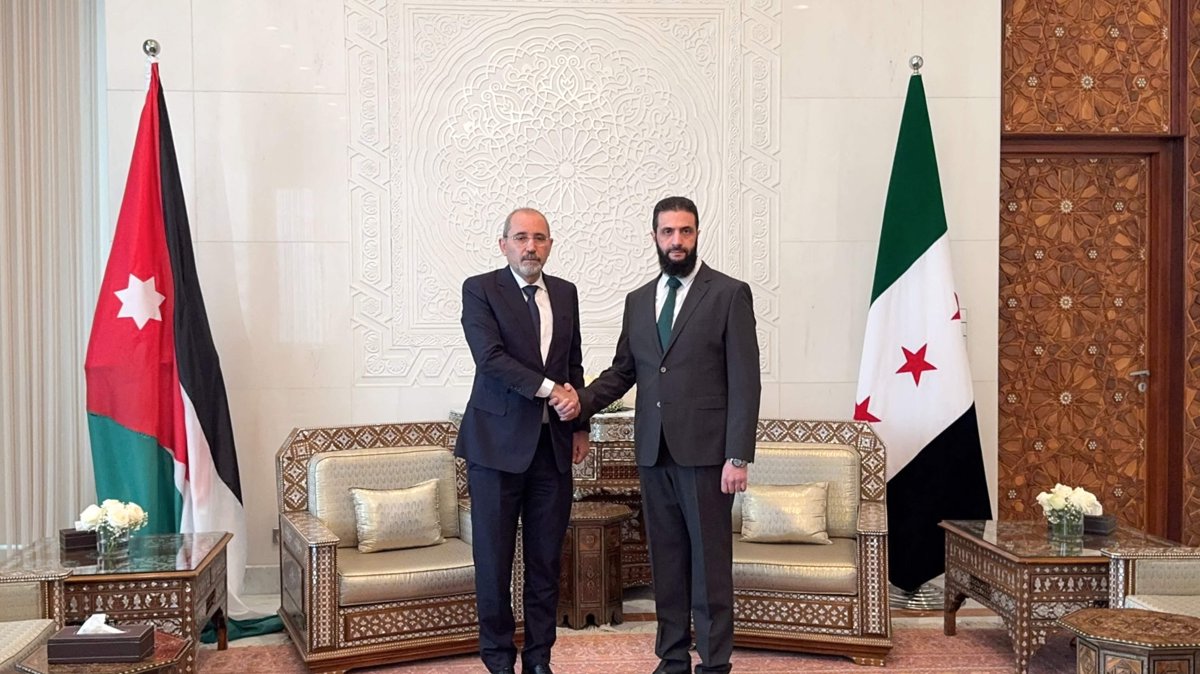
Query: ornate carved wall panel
1073	311
1191	413
1098	66
589	111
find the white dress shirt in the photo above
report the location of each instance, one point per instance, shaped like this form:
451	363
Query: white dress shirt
542	297
660	295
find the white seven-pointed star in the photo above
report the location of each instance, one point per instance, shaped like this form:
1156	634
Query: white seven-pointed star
140	301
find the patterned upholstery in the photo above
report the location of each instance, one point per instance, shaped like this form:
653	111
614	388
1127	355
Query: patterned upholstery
1155	579
345	609
416	573
31	610
18	638
818	598
331	475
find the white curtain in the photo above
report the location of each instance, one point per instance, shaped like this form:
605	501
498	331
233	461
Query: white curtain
49	265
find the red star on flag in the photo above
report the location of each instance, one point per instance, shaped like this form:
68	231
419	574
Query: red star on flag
915	363
862	413
957	309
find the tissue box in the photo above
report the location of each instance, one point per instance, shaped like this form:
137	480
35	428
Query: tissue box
136	642
1099	524
69	539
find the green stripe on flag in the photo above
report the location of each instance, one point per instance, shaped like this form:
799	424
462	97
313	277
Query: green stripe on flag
131	466
913	215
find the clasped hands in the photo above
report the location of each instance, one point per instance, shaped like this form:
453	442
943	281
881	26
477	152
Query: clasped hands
565	401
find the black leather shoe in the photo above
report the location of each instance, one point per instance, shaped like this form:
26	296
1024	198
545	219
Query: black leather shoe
541	669
503	670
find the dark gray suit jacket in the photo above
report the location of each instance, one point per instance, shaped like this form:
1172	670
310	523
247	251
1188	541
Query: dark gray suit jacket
702	393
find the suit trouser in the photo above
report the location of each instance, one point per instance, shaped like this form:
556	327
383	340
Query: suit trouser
689	524
541	497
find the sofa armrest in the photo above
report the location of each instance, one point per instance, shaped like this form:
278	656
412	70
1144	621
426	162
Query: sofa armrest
48	593
1123	573
872	517
308	576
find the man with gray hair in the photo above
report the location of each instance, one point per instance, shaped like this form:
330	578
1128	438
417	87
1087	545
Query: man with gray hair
523	330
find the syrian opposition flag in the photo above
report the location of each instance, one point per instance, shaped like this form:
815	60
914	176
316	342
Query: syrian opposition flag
914	384
157	412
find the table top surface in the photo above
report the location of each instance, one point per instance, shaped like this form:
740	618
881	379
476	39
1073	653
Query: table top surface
599	511
147	554
1029	540
1134	627
167	649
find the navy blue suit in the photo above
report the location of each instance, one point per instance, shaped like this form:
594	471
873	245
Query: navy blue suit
517	466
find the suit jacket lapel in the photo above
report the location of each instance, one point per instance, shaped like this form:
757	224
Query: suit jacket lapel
560	315
694	295
514	298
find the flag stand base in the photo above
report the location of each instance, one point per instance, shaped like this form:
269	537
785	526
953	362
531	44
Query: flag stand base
928	597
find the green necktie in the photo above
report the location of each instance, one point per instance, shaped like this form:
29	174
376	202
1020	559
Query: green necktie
667	316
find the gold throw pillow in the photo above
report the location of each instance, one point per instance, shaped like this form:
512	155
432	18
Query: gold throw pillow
393	519
793	513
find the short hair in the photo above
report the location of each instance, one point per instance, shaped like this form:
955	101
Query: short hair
674	204
527	211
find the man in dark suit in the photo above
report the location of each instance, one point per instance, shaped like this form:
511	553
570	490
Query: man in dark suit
523	330
688	342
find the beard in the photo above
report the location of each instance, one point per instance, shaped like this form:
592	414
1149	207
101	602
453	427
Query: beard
678	268
530	266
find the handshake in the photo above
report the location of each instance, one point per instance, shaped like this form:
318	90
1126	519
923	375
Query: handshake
565	401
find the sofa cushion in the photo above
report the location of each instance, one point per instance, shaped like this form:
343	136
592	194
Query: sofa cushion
331	475
792	513
1167	576
416	573
1166	603
796	463
18	638
394	519
823	569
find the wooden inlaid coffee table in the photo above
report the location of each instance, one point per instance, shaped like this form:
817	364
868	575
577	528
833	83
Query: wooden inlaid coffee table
1014	569
1133	640
175	582
590	584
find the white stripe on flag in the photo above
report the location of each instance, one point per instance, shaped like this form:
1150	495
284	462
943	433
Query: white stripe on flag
209	505
915	311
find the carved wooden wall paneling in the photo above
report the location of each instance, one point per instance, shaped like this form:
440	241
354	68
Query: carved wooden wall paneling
1073	308
1087	66
1191	414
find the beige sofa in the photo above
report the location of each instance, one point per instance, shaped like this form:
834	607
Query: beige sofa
345	609
818	598
1155	579
31	611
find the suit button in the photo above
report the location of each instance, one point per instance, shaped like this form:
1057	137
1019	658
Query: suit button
662	369
658	404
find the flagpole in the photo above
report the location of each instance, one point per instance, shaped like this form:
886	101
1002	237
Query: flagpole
150	48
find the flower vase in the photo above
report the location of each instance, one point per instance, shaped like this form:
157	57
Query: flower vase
112	543
1067	526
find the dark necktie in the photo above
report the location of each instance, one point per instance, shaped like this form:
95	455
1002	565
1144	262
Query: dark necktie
536	315
667	316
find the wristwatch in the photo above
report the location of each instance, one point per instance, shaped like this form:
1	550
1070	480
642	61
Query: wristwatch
738	463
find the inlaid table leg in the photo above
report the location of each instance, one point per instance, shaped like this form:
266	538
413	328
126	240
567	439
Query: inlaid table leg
222	627
953	601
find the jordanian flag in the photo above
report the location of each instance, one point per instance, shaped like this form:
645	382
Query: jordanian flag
914	384
157	411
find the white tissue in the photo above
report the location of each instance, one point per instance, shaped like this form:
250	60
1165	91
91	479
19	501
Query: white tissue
95	625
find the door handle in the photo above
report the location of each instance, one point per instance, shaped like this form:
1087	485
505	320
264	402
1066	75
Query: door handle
1141	376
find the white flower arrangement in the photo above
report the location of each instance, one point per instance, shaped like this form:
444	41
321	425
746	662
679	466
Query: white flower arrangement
1063	502
115	516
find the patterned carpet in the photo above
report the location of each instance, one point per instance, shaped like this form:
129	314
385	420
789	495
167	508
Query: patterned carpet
978	650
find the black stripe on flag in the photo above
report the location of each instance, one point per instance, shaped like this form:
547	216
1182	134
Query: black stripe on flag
195	354
945	481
